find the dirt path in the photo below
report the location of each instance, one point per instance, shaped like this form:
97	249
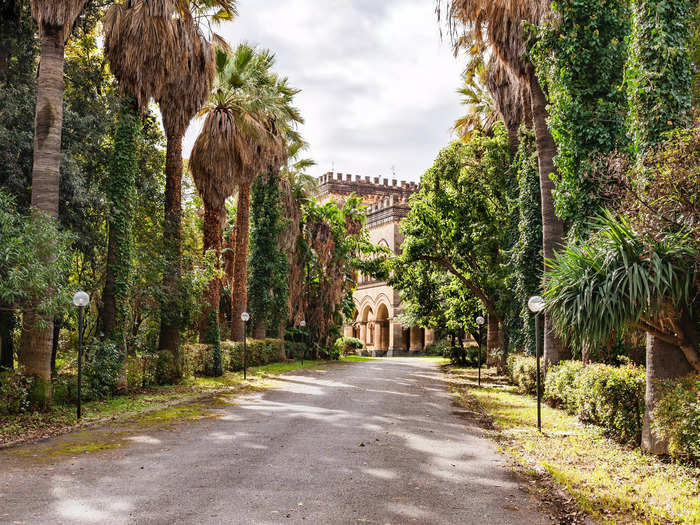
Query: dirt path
372	442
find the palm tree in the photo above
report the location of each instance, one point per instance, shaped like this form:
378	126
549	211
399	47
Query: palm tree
500	24
244	134
55	19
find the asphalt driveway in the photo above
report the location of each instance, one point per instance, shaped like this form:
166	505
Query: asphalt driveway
375	442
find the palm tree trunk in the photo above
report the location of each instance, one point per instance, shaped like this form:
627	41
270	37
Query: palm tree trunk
172	239
7	350
212	241
664	361
37	334
240	268
552	226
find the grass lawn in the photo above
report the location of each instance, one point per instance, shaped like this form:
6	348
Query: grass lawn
609	481
62	418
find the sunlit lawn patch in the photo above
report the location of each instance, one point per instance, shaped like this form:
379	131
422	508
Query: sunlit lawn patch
611	482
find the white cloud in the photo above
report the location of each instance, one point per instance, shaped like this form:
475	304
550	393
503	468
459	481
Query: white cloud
378	85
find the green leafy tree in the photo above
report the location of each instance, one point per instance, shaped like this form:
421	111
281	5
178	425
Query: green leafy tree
460	221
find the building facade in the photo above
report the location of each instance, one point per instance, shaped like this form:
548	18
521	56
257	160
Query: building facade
378	305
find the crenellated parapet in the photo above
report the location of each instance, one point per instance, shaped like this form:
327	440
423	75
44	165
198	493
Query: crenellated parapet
370	189
387	209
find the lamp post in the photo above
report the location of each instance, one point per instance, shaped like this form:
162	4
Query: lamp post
480	321
302	324
245	317
536	305
81	300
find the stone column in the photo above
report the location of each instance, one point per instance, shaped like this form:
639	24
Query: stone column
363	333
429	336
347	330
416	339
378	332
396	338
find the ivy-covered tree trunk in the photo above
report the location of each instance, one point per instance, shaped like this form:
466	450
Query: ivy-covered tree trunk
268	277
7	349
240	269
120	192
659	73
552	226
528	255
213	223
169	340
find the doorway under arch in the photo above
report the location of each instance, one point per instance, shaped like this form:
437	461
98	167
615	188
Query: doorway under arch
382	323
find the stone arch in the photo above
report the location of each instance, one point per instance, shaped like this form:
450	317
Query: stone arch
383	300
382	324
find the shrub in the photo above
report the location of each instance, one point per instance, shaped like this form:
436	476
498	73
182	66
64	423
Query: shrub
103	367
524	373
349	345
612	397
294	349
438	348
15	391
260	352
677	415
560	385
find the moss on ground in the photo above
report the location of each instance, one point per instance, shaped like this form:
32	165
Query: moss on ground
611	482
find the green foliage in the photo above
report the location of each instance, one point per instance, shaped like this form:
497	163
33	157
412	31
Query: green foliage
103	367
457	233
121	194
659	72
523	372
526	256
35	260
268	267
348	345
214	341
580	58
560	385
15	390
438	348
607	283
677	415
613	398
199	359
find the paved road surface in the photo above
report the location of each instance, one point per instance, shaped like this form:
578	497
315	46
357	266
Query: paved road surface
288	455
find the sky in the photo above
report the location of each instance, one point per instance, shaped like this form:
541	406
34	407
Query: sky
379	86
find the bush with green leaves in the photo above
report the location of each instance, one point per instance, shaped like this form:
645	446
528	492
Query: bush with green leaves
677	415
348	345
103	367
613	398
199	359
438	348
523	370
560	385
15	391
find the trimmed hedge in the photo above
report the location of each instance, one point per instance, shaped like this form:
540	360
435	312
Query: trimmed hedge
348	345
198	359
677	415
522	370
608	396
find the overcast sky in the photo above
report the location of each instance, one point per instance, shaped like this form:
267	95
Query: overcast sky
378	84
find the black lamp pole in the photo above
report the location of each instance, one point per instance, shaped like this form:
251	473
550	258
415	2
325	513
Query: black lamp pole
539	386
80	359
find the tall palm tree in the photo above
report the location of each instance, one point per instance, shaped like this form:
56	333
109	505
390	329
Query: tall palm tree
55	19
500	24
244	134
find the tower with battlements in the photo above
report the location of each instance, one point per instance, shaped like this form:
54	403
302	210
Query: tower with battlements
378	305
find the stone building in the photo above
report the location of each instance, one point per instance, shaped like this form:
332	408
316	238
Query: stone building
377	304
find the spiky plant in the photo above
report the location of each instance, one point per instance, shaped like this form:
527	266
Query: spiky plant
618	280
